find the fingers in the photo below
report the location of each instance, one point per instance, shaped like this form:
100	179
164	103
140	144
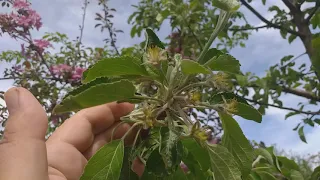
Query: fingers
80	129
138	167
105	137
22	148
77	135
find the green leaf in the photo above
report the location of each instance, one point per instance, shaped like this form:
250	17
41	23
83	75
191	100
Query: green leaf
254	176
115	66
291	38
106	163
242	80
84	87
179	175
218	98
155	165
153	39
290	114
227	5
198	152
265	154
296	128
171	149
225	63
264	2
317	121
194	166
301	134
224	167
296	175
266	175
192	67
212	53
283	33
97	95
162	16
248	112
242	108
275	158
126	171
235	141
288	163
316	173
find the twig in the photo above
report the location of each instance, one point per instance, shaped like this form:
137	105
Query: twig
85	5
296	92
268	22
222	21
190	86
130	130
183	115
249	28
294	59
83	20
285	108
8	78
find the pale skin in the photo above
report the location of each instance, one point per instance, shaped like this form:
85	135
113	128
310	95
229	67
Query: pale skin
25	154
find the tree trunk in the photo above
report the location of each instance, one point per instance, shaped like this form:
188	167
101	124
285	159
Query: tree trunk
303	28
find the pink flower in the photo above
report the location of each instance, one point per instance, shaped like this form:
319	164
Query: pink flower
29	19
76	76
77	73
42	44
55	70
60	69
79	70
35	19
21	4
64	68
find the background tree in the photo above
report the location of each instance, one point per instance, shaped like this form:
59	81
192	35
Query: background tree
47	74
192	20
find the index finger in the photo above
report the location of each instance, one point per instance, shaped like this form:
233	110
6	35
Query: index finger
66	146
80	129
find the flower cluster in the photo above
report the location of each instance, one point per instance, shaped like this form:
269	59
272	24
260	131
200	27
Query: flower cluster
20	21
74	74
25	16
41	44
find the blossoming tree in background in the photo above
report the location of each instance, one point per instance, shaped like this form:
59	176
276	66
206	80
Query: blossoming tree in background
47	75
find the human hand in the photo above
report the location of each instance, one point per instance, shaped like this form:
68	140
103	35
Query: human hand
24	153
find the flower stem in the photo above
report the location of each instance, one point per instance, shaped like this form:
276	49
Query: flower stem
130	130
148	98
191	86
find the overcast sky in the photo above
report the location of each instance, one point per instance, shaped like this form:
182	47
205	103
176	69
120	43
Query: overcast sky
264	48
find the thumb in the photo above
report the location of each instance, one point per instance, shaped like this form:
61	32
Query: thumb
22	149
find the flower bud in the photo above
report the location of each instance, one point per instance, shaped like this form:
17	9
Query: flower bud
231	106
155	55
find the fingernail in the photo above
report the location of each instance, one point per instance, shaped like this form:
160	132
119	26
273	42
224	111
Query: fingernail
11	98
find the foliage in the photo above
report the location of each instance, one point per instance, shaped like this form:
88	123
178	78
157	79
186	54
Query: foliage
190	21
168	86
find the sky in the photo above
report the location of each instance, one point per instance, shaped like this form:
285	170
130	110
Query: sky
263	49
